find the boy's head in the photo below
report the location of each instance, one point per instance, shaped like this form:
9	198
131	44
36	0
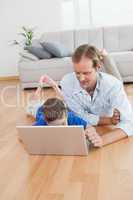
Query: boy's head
55	112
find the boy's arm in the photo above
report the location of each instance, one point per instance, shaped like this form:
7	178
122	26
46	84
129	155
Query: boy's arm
73	119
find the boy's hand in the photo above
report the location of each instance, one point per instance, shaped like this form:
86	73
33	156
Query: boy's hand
46	79
115	119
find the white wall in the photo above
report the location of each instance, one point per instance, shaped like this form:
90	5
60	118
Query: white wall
45	14
113	12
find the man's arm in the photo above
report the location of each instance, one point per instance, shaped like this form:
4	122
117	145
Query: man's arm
114	120
113	136
119	100
124	128
108	138
104	121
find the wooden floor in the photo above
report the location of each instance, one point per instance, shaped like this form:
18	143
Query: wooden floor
106	174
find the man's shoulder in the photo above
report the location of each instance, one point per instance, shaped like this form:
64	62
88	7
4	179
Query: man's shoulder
109	81
69	81
69	77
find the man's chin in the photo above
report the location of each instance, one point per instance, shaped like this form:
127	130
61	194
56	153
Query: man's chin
84	86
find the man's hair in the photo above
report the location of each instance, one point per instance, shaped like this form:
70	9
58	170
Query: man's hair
87	51
54	108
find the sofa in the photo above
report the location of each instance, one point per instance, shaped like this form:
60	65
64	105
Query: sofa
117	40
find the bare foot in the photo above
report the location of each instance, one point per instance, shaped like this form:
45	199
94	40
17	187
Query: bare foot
46	79
94	137
104	52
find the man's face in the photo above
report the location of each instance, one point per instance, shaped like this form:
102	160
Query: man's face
86	73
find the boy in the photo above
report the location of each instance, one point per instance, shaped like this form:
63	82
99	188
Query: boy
53	112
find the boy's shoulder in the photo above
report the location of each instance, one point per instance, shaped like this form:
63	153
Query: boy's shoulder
73	119
40	118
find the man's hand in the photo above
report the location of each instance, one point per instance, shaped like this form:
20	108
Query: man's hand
115	119
93	136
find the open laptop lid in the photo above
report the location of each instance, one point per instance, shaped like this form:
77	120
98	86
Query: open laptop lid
58	140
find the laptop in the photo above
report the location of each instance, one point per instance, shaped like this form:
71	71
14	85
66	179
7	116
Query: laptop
54	140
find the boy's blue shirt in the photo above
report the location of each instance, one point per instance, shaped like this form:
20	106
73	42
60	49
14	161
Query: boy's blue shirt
72	119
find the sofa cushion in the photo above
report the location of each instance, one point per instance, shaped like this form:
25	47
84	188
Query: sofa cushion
118	38
66	38
57	49
92	36
37	50
124	62
29	56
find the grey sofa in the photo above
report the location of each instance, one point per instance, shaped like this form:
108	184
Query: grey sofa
118	41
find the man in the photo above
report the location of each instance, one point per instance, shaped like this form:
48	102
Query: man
97	97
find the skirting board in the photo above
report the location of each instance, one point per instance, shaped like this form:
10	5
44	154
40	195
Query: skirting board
9	78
